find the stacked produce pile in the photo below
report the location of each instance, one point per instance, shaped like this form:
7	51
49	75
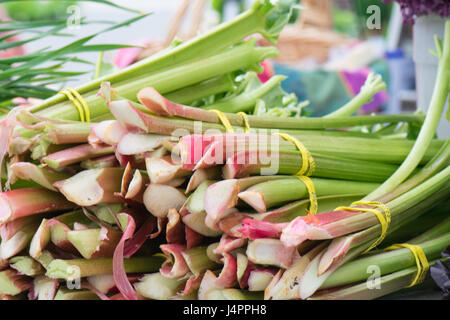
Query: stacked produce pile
118	190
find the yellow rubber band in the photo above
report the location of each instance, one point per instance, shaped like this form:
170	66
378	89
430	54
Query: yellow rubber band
384	219
313	205
308	163
421	261
223	118
83	103
246	121
75	103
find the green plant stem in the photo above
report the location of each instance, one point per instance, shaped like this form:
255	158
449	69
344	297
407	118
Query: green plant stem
197	260
247	100
68	133
223	36
277	192
373	85
332	167
388	262
438	183
436	164
428	129
387	284
167	80
203	89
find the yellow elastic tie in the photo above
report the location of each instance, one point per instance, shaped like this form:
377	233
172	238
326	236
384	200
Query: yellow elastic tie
83	103
75	103
385	220
308	163
421	261
313	205
246	121
225	122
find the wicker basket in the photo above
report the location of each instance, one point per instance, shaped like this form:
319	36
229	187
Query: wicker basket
311	35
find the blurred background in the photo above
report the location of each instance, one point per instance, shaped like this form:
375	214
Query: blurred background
327	51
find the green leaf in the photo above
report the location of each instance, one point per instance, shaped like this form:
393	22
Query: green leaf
103	47
7	45
109	3
103	68
26	25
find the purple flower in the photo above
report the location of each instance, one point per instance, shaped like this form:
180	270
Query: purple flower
412	9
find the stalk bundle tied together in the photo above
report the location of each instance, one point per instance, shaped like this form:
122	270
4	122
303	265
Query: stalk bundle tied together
79	102
246	121
308	163
421	261
384	218
313	206
225	122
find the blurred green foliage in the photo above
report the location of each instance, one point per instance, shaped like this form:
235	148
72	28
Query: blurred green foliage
33	10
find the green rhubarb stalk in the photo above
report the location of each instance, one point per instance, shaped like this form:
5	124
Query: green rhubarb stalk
19	241
294	126
360	241
387	262
100	163
107	212
203	89
386	284
434	220
428	129
67	269
439	183
45	147
20	203
299	208
67	133
65	223
326	167
352	246
76	154
373	85
436	164
91	187
95	243
26	265
247	100
11	283
388	151
157	287
197	260
272	193
167	80
42	176
254	20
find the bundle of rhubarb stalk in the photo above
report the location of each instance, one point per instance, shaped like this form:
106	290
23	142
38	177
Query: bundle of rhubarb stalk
185	177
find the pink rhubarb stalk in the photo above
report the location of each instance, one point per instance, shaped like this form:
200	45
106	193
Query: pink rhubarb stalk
20	203
91	187
76	154
175	266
